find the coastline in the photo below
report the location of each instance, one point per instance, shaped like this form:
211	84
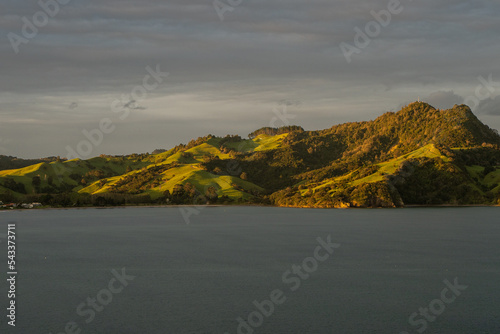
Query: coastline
410	206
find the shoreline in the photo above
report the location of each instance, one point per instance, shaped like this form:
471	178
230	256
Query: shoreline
410	206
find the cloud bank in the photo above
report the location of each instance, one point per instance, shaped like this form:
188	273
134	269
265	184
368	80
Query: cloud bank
228	76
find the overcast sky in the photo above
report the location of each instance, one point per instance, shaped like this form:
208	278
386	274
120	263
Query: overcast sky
267	63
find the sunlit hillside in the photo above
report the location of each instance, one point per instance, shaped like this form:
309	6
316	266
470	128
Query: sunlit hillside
419	155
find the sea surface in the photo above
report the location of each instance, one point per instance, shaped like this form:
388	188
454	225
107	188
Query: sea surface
253	270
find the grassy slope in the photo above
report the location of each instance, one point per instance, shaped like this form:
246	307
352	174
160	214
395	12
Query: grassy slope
60	171
208	148
493	178
191	173
384	168
268	142
391	166
259	143
190	170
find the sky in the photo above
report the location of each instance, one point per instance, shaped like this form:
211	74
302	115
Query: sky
79	78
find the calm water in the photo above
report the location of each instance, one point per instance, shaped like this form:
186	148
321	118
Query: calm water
200	277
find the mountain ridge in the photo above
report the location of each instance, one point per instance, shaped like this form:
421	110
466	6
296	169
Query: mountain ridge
418	155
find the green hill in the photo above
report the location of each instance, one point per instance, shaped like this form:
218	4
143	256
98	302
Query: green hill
8	162
418	155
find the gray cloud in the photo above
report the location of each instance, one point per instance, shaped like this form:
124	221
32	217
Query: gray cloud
489	107
443	99
233	71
